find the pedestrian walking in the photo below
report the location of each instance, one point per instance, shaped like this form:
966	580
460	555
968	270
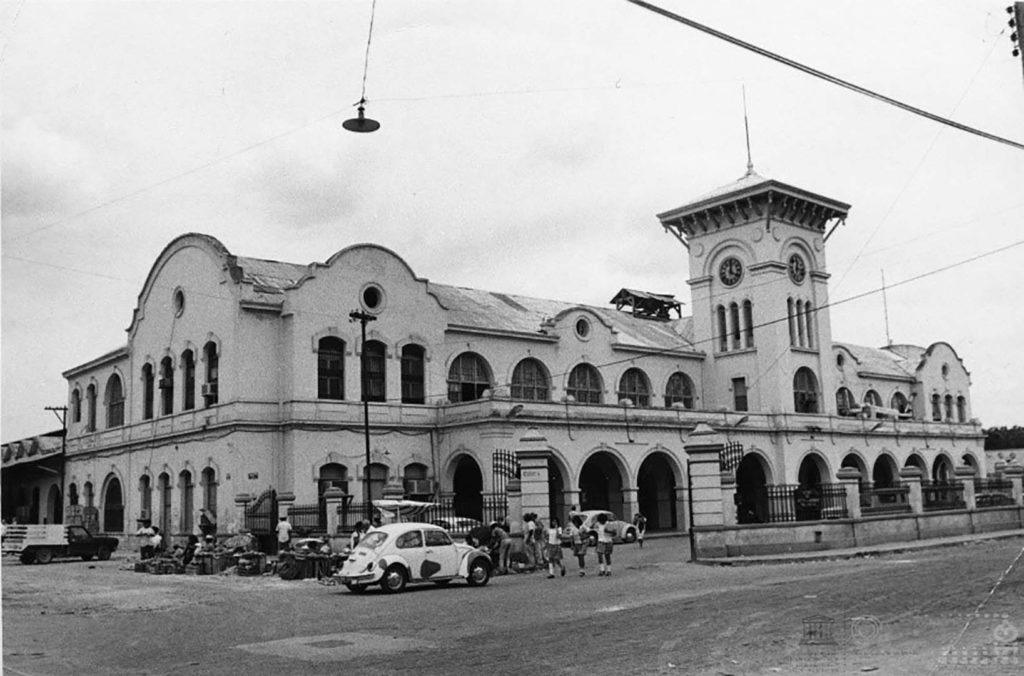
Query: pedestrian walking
604	545
640	521
284	534
554	549
502	542
580	542
532	533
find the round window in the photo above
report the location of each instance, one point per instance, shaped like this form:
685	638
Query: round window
373	298
179	302
582	327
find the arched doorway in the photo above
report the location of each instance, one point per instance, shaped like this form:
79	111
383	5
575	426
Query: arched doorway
808	497
113	507
813	471
942	470
332	475
164	489
656	492
601	484
187	488
54	506
468	485
752	490
883	474
378	479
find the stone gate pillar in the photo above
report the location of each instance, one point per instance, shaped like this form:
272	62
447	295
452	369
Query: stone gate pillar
849	478
965	476
335	499
284	503
533	452
703	462
1015	473
728	498
911	477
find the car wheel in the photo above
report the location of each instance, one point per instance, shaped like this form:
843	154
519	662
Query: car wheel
479	573
103	553
28	558
356	588
87	557
630	536
44	555
394	579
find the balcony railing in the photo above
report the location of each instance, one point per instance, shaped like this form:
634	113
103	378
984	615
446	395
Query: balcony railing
891	499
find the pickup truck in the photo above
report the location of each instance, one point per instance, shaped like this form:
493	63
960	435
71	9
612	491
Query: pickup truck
41	543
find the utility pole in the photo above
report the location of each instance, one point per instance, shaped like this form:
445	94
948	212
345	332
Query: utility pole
62	415
363	318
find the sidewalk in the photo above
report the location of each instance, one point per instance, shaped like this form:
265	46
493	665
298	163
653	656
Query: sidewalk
853	552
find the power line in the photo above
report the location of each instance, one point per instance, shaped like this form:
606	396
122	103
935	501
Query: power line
825	76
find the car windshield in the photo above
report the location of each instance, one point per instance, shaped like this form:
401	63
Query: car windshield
373	540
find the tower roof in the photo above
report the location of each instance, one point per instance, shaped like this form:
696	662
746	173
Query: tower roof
753	197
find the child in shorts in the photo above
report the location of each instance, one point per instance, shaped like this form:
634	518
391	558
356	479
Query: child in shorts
604	545
554	549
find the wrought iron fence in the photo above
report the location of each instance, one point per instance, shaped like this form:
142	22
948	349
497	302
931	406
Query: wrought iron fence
790	502
993	492
306	519
261	513
891	499
938	496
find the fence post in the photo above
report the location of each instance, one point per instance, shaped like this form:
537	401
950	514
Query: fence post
911	476
849	478
334	498
728	479
965	477
1015	473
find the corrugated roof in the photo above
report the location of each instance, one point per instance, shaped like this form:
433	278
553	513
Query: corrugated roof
270	276
883	361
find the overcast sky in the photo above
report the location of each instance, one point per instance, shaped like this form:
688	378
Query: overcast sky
525	148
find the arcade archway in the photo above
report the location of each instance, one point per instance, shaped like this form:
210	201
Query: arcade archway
884	473
601	483
468	486
656	494
752	490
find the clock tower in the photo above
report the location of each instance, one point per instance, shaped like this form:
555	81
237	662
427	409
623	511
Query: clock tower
759	290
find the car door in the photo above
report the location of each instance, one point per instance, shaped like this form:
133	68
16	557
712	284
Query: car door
441	557
78	541
410	546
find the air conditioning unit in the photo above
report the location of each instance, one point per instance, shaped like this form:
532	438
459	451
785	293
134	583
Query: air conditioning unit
419	487
209	389
166	383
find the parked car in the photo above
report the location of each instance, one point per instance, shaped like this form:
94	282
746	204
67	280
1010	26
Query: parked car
458	524
624	532
401	553
40	543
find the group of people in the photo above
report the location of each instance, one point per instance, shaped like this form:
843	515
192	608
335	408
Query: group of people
544	545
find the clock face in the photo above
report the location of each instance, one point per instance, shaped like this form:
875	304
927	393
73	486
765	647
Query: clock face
730	271
797	268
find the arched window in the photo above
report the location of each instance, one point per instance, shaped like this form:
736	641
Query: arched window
961	409
634	386
809	322
679	390
76	405
805	391
936	407
415	483
899	402
147	392
378	479
331	368
88	494
113	506
734	320
530	381
748	323
115	402
468	378
948	408
723	330
166	386
412	375
73	494
332	475
872	398
211	389
186	489
791	316
188	367
845	403
800	340
374	377
585	384
90	402
208	479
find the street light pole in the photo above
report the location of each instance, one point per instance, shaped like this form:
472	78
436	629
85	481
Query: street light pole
363	318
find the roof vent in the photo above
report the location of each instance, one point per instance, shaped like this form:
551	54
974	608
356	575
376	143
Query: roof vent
647	305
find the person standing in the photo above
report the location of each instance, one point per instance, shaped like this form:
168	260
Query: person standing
580	543
554	548
145	535
284	534
604	545
156	542
502	541
530	540
640	521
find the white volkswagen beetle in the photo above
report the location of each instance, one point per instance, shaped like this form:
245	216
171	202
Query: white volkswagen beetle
400	553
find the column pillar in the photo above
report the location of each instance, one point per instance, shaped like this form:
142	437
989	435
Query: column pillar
238	523
532	452
284	503
335	499
572	499
965	476
513	490
849	477
728	480
630	505
682	511
1015	473
911	476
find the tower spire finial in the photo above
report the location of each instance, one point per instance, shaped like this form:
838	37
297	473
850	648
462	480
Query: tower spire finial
746	128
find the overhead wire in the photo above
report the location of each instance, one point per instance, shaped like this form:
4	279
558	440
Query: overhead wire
824	76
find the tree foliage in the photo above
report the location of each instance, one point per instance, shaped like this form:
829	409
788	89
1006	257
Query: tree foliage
999	438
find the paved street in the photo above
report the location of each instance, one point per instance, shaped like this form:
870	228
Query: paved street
657	614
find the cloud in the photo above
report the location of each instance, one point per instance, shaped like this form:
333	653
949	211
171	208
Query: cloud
45	173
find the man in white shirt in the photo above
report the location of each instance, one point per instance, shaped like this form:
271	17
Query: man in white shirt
284	534
145	534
